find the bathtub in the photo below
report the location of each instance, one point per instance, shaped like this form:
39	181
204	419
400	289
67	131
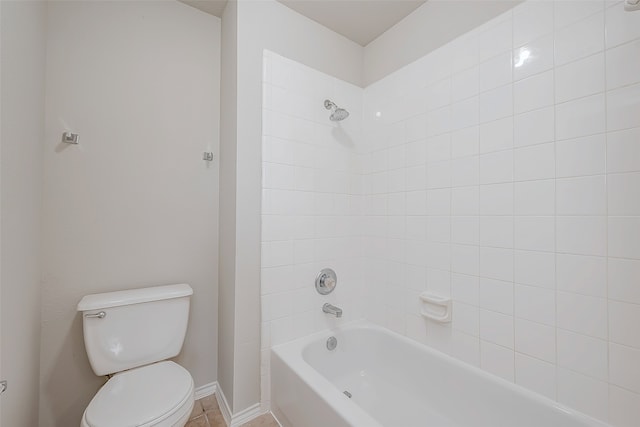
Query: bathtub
396	382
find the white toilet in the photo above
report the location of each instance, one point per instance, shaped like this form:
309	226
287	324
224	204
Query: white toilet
130	334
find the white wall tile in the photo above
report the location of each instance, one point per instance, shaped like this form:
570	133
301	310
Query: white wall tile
465	230
581	156
438	94
583	354
623	151
535	304
623	65
496	231
581	235
535	268
466	319
534	92
536	375
623	280
536	233
580	78
580	39
621	26
496	39
624	407
439	202
624	237
535	197
496	328
495	72
622	318
568	12
464	113
439	174
465	142
620	190
624	367
533	58
517	200
582	196
535	339
534	127
582	274
497	360
496	103
465	201
583	393
583	314
535	162
465	83
496	263
496	135
581	117
496	295
464	52
465	288
465	259
496	167
623	107
496	199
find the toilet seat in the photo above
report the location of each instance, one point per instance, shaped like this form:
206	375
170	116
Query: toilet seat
160	394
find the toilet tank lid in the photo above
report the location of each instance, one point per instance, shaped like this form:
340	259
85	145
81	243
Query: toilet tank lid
133	296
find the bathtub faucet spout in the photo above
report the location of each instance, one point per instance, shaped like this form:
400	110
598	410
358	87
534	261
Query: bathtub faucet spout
332	309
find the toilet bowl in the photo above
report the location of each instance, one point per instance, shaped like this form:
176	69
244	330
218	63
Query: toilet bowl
142	397
129	335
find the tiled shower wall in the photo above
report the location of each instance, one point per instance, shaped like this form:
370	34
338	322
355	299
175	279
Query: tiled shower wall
311	203
504	171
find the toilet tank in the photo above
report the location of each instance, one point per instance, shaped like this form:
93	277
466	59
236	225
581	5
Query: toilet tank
127	329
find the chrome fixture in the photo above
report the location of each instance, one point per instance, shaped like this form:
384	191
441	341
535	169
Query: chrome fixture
332	309
346	393
70	138
332	343
99	315
326	281
208	156
338	114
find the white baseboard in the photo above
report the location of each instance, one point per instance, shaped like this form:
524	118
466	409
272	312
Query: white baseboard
205	390
224	406
246	415
242	417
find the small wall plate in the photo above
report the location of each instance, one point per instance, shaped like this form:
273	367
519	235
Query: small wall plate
326	281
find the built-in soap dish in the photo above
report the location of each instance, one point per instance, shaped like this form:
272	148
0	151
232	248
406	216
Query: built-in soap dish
435	307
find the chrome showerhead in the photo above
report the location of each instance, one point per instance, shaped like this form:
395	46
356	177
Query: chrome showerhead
337	114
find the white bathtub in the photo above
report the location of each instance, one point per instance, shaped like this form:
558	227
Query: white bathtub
396	382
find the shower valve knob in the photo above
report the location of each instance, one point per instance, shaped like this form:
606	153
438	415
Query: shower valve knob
326	281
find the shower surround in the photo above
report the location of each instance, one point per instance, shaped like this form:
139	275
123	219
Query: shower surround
502	170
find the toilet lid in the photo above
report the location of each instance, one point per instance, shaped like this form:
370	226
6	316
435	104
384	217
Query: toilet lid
140	396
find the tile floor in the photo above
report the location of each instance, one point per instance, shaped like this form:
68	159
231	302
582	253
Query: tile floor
206	413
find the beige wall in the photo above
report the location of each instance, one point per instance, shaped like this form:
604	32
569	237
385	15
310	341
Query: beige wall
261	25
227	272
134	204
22	126
432	25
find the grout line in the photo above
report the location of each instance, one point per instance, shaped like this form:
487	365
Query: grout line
555	206
606	183
513	193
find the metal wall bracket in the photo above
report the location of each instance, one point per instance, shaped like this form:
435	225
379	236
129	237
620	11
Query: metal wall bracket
208	156
70	138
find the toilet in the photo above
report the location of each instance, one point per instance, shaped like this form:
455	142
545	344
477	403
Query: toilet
129	335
